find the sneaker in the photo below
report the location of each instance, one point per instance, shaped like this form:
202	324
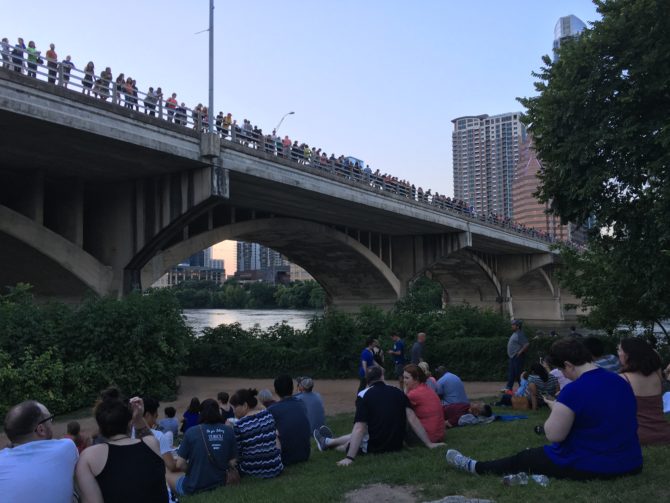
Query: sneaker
320	440
325	431
460	461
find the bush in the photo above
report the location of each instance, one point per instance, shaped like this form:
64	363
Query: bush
63	355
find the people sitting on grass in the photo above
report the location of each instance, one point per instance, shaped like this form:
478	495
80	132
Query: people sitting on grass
169	422
266	398
592	426
597	349
192	415
122	469
431	382
81	440
35	466
165	438
469	413
540	384
316	413
205	454
224	407
450	388
380	423
641	367
290	415
425	403
258	446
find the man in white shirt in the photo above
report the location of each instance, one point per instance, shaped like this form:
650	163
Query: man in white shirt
35	467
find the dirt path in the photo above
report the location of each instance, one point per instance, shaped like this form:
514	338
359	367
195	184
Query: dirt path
338	396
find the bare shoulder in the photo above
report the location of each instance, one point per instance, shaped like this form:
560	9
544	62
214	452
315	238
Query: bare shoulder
153	443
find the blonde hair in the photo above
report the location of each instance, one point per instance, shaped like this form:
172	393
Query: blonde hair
426	369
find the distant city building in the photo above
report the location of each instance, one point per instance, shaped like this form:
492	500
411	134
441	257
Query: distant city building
183	273
567	27
299	274
218	263
485	155
255	261
201	259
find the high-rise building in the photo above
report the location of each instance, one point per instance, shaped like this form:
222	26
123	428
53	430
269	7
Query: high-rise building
201	259
485	155
567	27
267	263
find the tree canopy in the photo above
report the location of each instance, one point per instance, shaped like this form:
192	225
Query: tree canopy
601	129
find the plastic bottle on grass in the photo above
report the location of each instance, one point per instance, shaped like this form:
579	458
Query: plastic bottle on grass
518	479
543	480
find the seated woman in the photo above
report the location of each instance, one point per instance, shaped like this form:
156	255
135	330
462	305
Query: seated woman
258	448
430	380
192	415
122	469
205	454
592	425
540	384
641	367
425	402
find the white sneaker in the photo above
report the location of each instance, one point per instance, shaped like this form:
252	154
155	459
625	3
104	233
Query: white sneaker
460	461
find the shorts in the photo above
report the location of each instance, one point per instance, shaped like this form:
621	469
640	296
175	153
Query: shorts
179	486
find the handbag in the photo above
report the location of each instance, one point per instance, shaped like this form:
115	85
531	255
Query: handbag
232	473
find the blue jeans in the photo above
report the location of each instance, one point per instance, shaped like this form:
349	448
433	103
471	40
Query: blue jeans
514	369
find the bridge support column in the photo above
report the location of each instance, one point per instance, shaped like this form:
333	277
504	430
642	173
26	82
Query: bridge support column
64	212
29	199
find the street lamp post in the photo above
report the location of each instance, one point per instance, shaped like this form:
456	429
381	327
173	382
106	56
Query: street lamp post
211	67
282	120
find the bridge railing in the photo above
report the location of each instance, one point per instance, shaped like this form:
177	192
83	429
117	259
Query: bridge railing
125	94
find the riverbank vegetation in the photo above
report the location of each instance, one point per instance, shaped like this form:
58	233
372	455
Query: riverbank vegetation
63	355
256	295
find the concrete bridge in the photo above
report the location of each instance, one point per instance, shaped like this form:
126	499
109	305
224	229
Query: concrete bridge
98	197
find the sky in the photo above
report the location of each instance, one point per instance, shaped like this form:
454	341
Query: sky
380	80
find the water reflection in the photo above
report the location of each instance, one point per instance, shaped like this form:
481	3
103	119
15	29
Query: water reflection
248	318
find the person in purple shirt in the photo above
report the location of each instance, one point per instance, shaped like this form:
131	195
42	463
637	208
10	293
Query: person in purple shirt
592	426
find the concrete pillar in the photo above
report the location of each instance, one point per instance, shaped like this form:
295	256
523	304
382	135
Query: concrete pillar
31	202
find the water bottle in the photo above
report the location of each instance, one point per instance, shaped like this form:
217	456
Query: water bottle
543	480
519	479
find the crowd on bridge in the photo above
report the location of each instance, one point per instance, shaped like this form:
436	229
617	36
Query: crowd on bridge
123	91
602	408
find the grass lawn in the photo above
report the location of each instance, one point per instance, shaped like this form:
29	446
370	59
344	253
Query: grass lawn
320	480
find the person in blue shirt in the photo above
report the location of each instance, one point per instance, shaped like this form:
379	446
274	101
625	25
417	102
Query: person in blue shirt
367	361
290	415
398	353
592	426
313	402
450	388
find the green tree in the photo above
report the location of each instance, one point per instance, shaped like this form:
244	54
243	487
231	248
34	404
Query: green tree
602	129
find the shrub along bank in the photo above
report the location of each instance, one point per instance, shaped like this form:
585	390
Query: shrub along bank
64	355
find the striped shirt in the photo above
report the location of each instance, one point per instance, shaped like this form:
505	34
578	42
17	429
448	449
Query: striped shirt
256	438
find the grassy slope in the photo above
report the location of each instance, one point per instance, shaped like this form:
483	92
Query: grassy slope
320	480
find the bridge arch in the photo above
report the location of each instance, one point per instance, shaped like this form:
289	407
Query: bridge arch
52	264
466	279
349	272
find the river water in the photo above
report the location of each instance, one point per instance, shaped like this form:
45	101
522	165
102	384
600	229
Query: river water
248	318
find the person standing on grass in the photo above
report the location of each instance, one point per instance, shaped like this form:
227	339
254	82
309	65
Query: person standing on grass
367	361
380	424
418	348
398	354
517	345
592	426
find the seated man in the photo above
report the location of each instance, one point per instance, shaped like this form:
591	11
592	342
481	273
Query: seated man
170	423
290	415
450	388
165	438
382	414
597	349
35	468
313	402
454	412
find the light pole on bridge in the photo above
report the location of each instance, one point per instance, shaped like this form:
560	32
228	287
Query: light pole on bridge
282	120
